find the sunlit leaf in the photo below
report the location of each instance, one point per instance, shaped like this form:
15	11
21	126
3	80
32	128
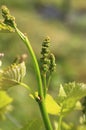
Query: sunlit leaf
74	92
51	105
61	95
13	75
78	106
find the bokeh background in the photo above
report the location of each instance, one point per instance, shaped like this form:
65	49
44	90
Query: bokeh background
64	21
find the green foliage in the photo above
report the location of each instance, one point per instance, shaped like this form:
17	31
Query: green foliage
68	96
68	99
12	76
52	107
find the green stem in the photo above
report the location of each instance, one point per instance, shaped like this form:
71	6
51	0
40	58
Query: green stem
39	80
45	116
48	83
35	63
42	108
59	122
28	88
44	84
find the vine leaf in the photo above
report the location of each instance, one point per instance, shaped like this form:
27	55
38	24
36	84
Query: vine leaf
12	76
69	95
5	101
52	107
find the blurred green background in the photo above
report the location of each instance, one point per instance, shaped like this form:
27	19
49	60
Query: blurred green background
65	22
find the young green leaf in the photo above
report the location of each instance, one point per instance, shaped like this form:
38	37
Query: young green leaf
51	105
12	76
73	93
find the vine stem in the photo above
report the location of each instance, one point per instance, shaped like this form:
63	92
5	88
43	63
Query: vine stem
48	82
44	84
35	63
39	80
59	122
